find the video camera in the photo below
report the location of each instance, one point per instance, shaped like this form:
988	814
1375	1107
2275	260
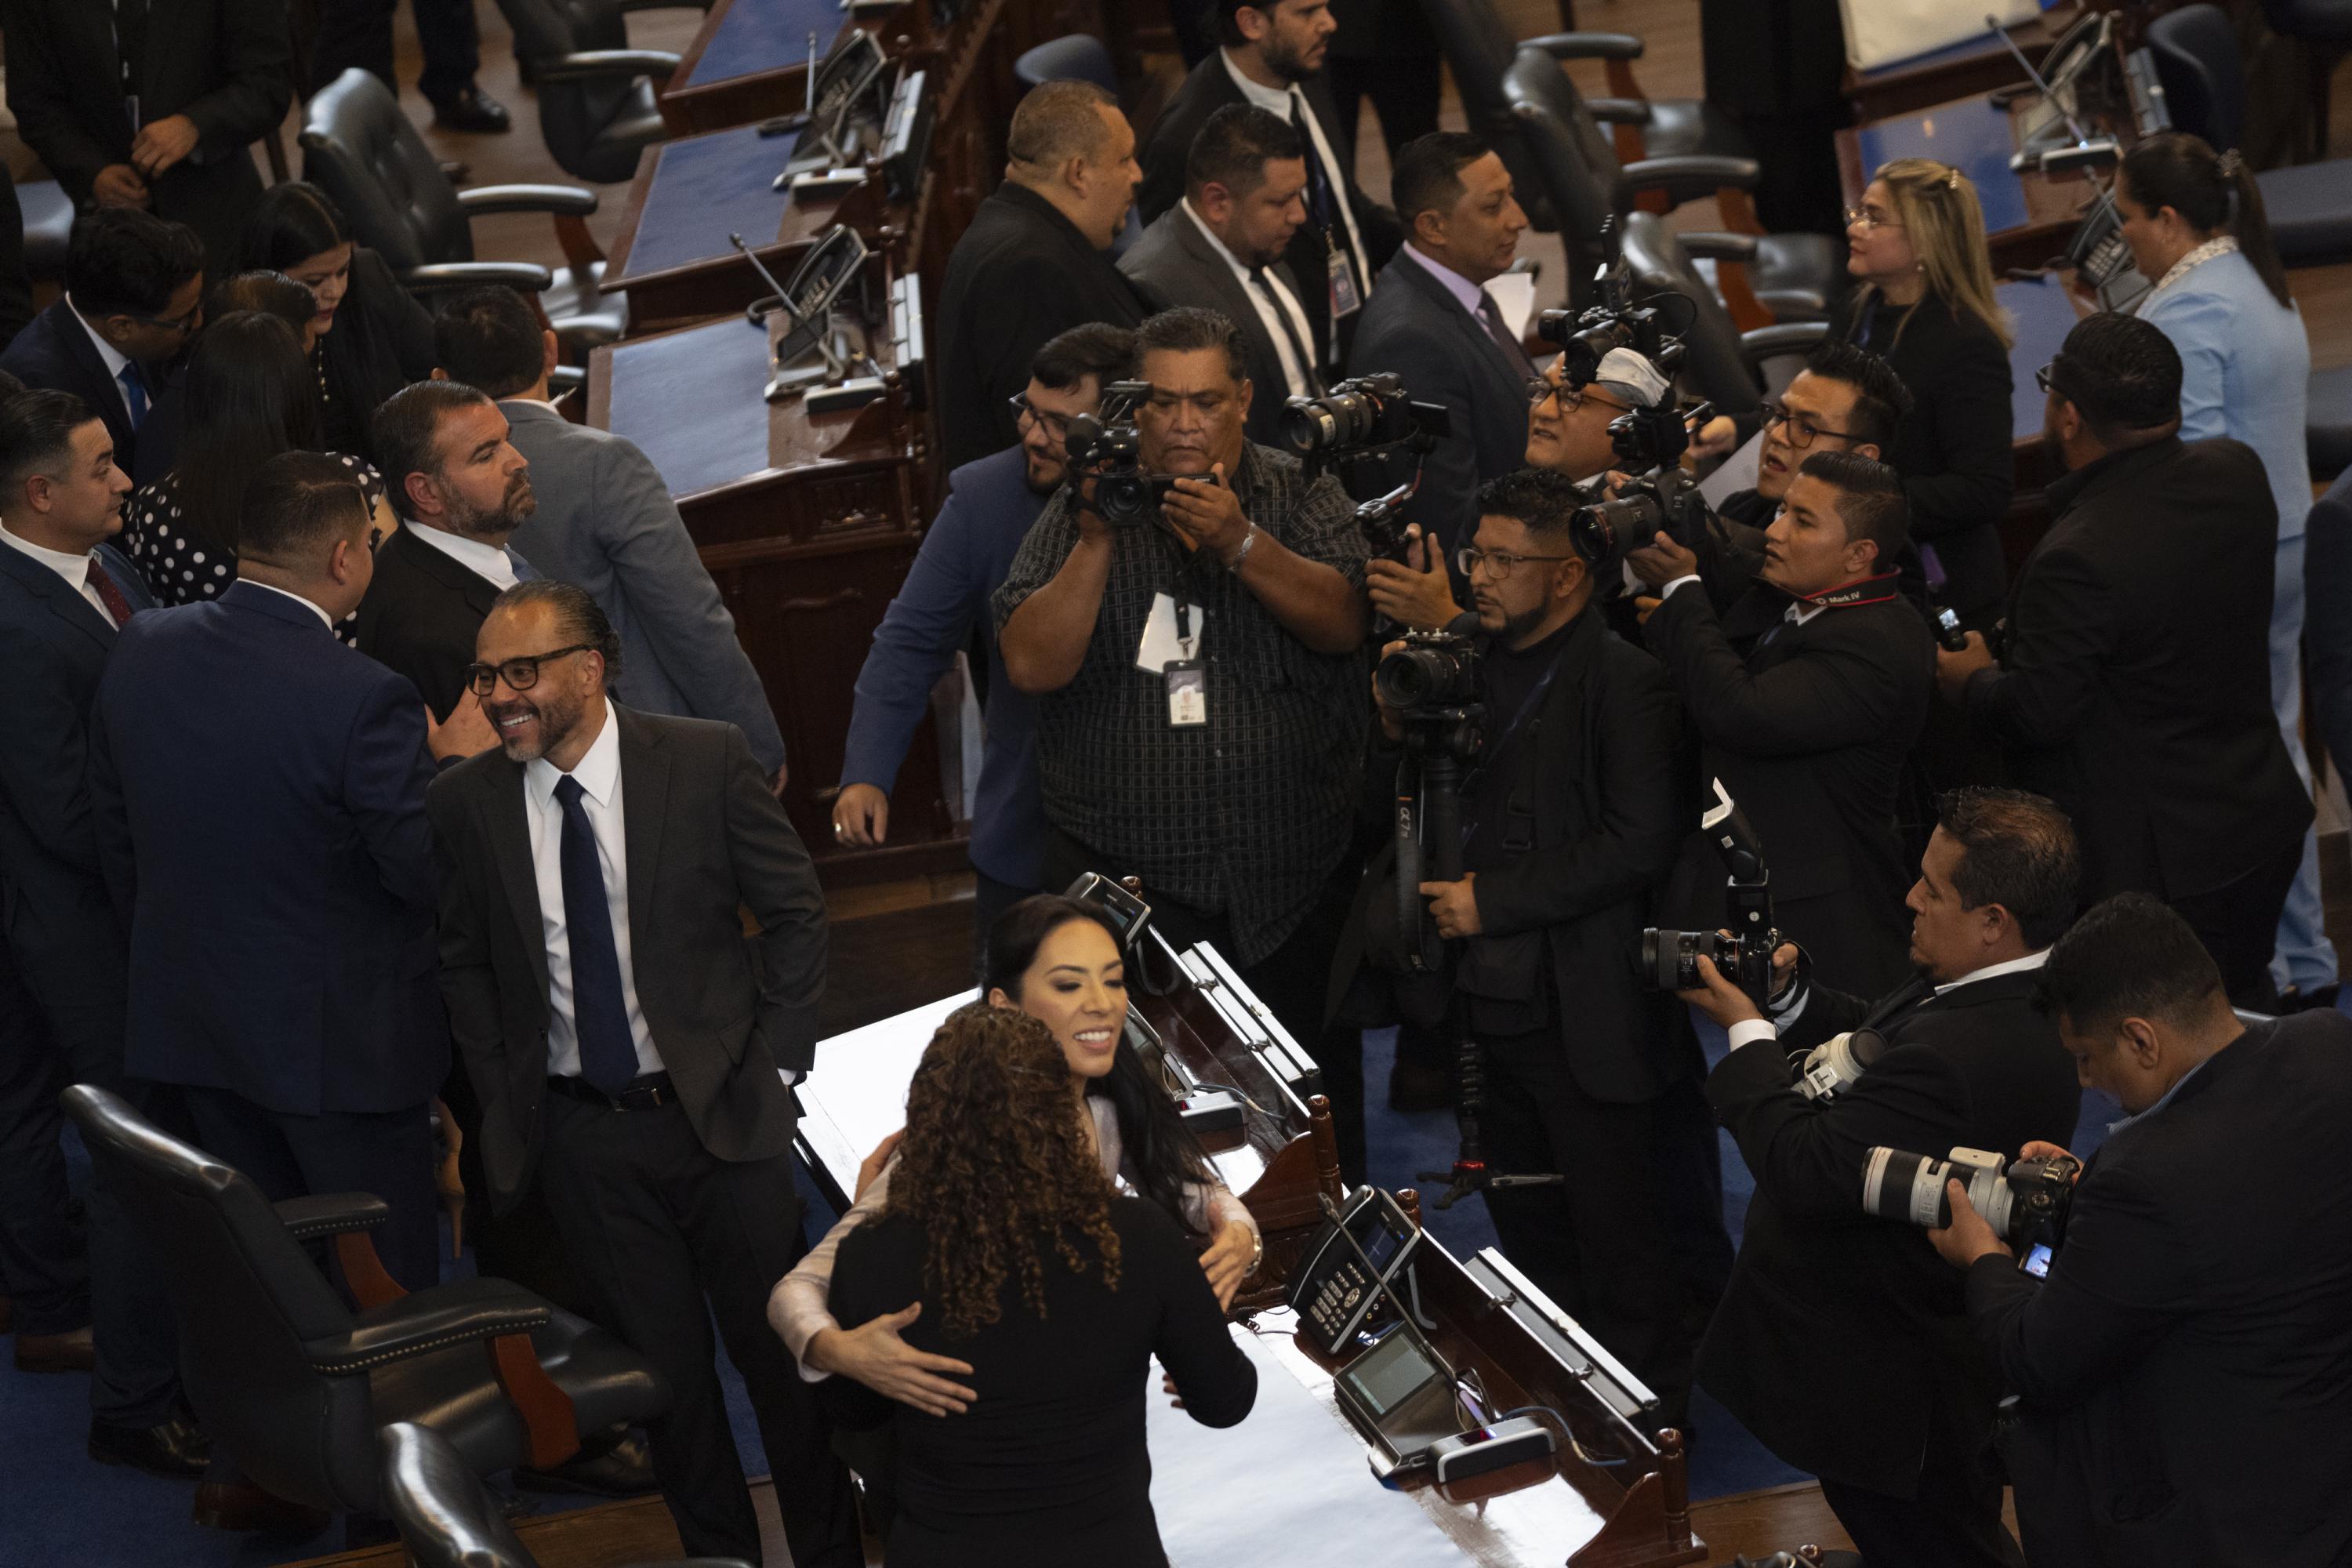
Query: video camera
1357	425
2027	1204
1106	449
1430	685
1744	955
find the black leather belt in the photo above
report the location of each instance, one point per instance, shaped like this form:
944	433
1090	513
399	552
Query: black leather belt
647	1093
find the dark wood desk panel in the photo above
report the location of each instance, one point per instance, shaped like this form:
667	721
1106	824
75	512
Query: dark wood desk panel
749	61
808	526
1974	64
2027	217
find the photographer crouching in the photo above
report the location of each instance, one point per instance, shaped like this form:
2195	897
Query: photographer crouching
1841	1342
2184	1370
1574	813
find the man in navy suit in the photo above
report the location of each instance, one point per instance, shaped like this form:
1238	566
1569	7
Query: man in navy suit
259	792
1432	322
134	293
64	595
966	554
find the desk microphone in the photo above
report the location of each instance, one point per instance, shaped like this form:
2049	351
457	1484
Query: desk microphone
784	298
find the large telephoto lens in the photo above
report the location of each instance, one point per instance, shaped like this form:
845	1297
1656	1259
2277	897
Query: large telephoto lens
1899	1185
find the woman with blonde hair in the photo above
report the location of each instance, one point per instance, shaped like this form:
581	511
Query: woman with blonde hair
1020	1257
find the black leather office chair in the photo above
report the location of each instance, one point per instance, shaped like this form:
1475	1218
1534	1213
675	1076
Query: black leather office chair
295	1383
1795	276
48	228
1076	57
362	151
2310	205
2327	423
448	1519
1720	363
596	108
2324	30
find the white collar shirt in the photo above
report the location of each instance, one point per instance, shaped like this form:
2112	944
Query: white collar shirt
74	569
324	619
488	562
1283	333
115	358
1291	104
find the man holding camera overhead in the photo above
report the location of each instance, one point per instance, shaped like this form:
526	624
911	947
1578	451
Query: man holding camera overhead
1196	661
1807	694
1839	1342
1575	811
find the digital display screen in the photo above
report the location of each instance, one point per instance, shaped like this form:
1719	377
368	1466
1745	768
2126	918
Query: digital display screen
2036	1261
1382	1243
1389	1374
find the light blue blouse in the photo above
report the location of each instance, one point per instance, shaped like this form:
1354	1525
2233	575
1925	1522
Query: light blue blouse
2245	368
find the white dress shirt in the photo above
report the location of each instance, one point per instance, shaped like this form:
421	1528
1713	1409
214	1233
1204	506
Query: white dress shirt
324	619
488	562
115	358
1300	383
599	774
1797	614
1751	1029
1291	104
74	569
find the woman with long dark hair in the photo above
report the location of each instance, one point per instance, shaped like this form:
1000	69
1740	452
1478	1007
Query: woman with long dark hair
1054	958
372	339
1004	1242
2198	232
248	394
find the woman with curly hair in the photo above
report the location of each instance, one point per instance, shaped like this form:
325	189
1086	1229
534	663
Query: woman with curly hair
1018	1255
1054	959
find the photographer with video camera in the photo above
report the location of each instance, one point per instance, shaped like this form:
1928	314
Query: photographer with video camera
2184	1370
1807	694
1189	610
1841	1342
1576	810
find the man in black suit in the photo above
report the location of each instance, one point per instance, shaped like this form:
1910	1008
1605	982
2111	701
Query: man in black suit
1846	399
1221	248
1808	692
64	594
1035	262
15	287
133	296
152	103
461	489
2133	685
631	1052
1578	814
1840	1341
1385	50
1272	56
2185	1370
1432	322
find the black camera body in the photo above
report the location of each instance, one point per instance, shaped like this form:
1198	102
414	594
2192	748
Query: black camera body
1670	958
1110	453
1430	686
1666	499
1361	422
2027	1204
1432	675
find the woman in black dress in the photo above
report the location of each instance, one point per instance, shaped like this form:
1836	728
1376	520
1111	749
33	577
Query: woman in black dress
1029	1267
372	339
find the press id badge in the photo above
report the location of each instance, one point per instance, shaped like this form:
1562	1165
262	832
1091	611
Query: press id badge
1188	693
1347	296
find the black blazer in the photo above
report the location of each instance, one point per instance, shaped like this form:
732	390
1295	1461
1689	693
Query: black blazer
420	615
55	353
1175	264
1209	88
2188	1362
1841	1341
706	838
1048	1467
2136	686
381	342
226	64
1808	728
15	287
1020	275
1953	449
1413	327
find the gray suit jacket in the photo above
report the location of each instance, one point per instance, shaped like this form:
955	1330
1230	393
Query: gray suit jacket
1175	264
705	839
605	521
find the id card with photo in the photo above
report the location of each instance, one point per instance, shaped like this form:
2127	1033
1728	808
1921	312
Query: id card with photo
1188	694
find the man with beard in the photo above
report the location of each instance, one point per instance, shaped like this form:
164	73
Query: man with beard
2133	685
461	489
943	603
631	1053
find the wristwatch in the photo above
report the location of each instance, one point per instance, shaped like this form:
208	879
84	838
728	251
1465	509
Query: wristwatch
1259	1238
1249	540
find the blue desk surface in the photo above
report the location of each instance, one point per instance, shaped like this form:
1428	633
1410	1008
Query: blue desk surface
691	401
703	189
757	36
1972	136
2040	316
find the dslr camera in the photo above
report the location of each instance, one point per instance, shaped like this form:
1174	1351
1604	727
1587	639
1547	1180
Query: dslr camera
2026	1205
1106	449
1357	425
1433	675
1744	955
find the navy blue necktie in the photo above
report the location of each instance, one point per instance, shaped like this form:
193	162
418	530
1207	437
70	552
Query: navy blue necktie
600	1015
1318	180
134	393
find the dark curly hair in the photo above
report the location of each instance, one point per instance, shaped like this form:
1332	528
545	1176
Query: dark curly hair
996	1163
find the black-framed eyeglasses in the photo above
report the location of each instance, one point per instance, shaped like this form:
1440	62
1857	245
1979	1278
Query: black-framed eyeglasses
520	674
1056	425
182	325
1802	431
1541	389
1469	558
2046	379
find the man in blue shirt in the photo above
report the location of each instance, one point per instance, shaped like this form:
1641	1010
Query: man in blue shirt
965	555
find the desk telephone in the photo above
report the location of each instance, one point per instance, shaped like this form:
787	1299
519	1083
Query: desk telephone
1335	1286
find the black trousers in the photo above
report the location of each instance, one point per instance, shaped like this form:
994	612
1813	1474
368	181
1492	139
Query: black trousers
1597	1244
1404	90
359	33
1954	1523
665	1238
2238	923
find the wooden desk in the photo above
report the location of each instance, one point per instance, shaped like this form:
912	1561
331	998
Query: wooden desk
1974	64
2027	217
749	62
808	525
